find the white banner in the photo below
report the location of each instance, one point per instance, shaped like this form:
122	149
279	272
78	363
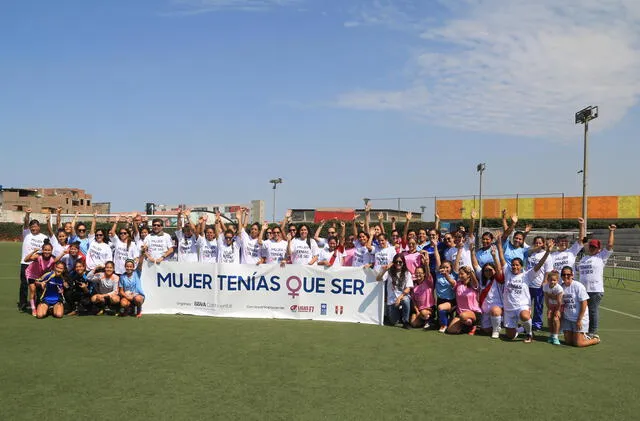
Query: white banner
343	294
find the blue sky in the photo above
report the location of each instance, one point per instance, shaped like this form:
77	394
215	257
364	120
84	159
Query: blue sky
193	101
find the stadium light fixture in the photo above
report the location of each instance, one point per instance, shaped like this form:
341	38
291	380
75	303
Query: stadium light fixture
275	183
584	116
480	169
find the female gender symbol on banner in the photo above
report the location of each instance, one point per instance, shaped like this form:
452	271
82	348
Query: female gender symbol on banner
293	291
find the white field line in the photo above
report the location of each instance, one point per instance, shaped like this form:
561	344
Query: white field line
621	312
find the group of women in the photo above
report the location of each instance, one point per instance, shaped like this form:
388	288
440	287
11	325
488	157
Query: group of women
432	278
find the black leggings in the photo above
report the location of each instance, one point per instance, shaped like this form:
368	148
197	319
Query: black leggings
24	288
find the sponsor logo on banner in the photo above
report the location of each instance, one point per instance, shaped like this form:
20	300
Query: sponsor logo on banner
183	304
323	309
339	309
301	309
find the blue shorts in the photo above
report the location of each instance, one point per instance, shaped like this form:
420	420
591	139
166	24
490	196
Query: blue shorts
51	301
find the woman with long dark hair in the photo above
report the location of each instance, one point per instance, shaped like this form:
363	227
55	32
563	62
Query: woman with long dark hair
41	262
99	251
575	317
491	283
52	284
302	249
124	246
399	284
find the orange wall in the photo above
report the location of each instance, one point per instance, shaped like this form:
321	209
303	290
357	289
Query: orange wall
599	207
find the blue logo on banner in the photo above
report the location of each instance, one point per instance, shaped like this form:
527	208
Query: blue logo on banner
323	309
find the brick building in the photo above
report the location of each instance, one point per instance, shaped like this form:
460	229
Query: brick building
46	200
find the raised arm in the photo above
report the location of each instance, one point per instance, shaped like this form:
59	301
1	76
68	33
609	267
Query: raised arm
73	223
472	231
548	247
343	233
474	280
367	216
474	258
437	226
380	219
186	214
285	220
507	232
405	232
393	223
502	261
496	259
436	256
265	225
527	230
582	231
456	263
58	218
93	223
114	228
505	225
49	227
27	218
240	218
355	227
316	236
612	229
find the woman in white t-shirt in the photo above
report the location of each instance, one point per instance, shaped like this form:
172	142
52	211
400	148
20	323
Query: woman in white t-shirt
251	243
533	256
575	317
565	255
491	280
207	243
302	249
228	247
99	251
186	238
332	255
516	297
591	270
399	283
384	252
124	247
275	250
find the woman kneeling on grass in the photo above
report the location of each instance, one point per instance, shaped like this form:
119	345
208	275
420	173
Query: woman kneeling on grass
516	296
131	294
106	290
466	302
575	317
399	284
422	297
52	296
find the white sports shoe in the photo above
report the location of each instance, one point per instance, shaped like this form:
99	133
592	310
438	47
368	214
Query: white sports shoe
426	326
495	335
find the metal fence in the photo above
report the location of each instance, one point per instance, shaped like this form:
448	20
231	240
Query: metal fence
623	272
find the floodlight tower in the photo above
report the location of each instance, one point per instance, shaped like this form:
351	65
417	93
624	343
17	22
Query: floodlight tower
275	182
480	169
583	117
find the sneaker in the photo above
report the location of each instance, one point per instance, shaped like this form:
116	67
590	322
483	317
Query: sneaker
72	313
34	313
595	335
406	326
528	339
138	315
550	340
442	329
426	326
520	329
472	331
100	313
555	341
495	334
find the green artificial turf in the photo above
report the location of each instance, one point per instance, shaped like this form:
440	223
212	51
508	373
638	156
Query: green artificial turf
200	368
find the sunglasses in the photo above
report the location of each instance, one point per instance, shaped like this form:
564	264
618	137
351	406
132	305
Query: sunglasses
398	261
228	238
277	232
82	230
99	235
567	275
269	232
293	230
124	233
157	225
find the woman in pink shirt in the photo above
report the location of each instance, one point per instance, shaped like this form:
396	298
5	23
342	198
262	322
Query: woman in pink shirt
41	263
413	257
349	251
467	301
422	297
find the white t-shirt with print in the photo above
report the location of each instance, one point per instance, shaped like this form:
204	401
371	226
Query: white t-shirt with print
465	258
591	270
572	298
325	255
274	251
532	261
384	257
30	242
249	248
157	245
228	253
207	250
121	253
515	295
187	247
301	252
567	257
362	256
393	292
98	254
554	292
